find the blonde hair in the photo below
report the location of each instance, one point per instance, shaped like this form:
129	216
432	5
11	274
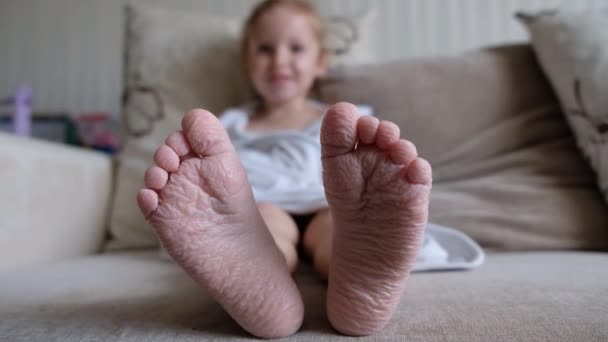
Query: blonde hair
304	7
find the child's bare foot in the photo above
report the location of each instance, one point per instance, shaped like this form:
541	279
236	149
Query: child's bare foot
378	191
200	203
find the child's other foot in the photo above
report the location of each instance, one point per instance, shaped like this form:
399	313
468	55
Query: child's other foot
200	203
378	192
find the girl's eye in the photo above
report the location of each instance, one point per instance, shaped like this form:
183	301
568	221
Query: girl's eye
264	48
297	48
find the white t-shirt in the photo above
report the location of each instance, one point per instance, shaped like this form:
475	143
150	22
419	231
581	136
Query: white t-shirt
283	167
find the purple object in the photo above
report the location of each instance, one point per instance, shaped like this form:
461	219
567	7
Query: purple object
21	110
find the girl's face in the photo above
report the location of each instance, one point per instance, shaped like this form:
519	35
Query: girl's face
284	55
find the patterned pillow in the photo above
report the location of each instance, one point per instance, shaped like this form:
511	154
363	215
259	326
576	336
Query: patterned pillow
176	61
572	48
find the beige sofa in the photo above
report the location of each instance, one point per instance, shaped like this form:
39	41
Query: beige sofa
507	173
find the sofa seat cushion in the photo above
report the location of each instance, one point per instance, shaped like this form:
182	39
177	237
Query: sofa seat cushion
137	296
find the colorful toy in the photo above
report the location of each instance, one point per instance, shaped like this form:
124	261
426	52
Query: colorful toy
98	130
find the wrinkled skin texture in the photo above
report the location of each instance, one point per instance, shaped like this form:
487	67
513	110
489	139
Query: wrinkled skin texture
378	196
206	218
199	201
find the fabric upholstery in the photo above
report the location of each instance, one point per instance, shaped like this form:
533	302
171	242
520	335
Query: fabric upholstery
572	47
136	296
54	202
505	165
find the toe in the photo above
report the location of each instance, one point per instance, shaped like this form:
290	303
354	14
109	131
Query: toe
367	127
166	158
147	200
403	152
205	134
177	142
339	129
420	172
388	134
156	178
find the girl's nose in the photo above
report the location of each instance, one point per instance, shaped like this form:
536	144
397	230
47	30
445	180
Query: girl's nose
281	56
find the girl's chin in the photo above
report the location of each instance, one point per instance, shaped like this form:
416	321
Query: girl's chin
279	98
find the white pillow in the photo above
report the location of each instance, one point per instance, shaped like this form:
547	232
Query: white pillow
176	61
572	47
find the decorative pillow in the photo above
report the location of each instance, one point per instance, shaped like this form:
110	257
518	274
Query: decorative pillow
572	48
505	165
350	38
176	61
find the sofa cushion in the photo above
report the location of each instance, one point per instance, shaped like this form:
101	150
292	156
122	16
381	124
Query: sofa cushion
177	61
572	47
505	165
54	203
136	296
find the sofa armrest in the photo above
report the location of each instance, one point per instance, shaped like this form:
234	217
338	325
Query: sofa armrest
54	201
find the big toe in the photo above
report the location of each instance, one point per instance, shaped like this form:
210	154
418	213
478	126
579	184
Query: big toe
205	133
339	129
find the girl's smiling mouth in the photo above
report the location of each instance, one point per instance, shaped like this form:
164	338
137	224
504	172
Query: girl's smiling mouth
279	78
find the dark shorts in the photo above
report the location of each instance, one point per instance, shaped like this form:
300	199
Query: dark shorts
302	221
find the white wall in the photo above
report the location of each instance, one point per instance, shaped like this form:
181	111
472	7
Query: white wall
70	51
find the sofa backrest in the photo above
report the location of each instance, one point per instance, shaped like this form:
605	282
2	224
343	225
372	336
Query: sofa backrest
506	167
